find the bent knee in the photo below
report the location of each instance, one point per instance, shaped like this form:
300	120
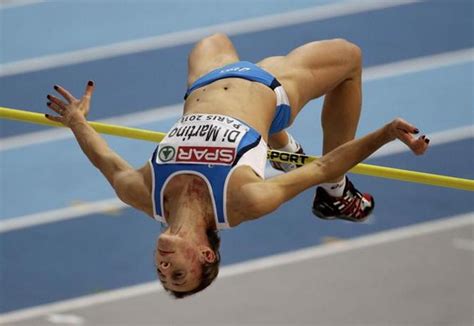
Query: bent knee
214	46
349	52
216	39
210	53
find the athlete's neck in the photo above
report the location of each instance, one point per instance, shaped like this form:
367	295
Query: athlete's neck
188	208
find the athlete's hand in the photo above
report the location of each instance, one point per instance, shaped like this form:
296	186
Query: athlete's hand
405	131
72	109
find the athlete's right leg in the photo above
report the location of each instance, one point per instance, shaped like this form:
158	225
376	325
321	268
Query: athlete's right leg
208	54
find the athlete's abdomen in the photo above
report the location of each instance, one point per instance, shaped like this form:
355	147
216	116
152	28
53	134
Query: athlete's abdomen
251	102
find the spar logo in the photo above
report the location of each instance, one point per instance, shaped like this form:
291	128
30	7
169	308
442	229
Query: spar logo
166	153
205	154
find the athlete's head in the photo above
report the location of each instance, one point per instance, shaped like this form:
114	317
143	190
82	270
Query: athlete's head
185	268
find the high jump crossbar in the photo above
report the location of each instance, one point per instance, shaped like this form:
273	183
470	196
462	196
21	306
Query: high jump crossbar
273	155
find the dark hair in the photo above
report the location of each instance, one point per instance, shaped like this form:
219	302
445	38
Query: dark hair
209	270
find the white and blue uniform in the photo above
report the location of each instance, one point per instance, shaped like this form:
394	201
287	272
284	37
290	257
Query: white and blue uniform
212	146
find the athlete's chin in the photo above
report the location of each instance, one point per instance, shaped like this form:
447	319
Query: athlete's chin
166	242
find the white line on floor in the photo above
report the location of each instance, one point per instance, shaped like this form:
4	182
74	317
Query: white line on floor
8	4
250	266
191	36
62	214
173	111
418	64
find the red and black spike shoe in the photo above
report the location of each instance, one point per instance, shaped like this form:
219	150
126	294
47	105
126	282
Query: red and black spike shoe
352	206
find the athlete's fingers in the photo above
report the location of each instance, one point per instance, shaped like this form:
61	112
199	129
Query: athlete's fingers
411	128
56	101
56	108
420	145
54	118
65	93
417	145
405	126
405	136
424	145
89	90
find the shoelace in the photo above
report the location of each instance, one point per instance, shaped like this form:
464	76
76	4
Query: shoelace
350	204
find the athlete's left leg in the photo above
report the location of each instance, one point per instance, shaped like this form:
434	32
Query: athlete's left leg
331	68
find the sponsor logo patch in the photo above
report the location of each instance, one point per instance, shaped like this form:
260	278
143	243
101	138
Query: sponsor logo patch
166	153
285	157
205	154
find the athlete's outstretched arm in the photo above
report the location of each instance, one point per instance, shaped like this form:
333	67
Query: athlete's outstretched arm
265	197
127	182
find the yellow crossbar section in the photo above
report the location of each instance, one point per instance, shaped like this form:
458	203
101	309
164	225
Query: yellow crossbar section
103	128
273	155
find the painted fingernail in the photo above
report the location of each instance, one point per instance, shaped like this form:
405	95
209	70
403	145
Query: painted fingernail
48	104
46	115
427	141
90	83
48	97
416	131
55	86
423	137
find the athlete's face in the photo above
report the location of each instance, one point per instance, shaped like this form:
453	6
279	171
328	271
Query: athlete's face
178	263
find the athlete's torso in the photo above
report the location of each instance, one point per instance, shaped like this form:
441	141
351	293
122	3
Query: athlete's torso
248	101
212	147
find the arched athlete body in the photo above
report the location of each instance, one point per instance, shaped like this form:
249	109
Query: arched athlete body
207	173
